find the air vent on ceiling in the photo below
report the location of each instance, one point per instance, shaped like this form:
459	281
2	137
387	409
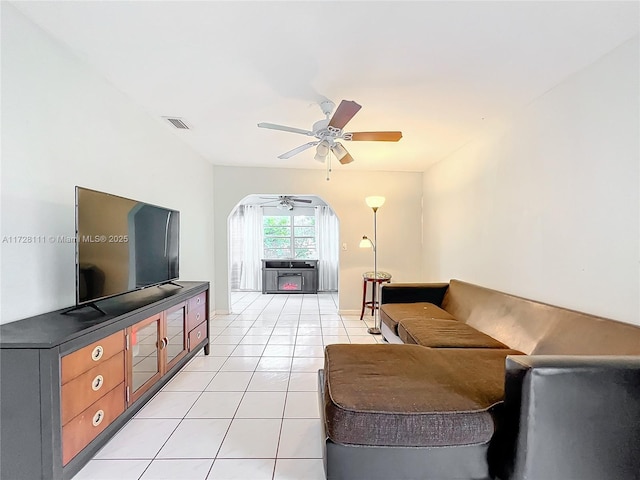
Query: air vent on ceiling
177	122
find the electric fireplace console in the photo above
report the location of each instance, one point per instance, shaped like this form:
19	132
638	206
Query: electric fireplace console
289	276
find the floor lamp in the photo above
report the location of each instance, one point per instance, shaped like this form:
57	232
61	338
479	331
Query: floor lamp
375	203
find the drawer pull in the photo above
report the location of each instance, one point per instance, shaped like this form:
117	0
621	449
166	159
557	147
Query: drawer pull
97	353
199	334
198	301
97	383
98	417
197	316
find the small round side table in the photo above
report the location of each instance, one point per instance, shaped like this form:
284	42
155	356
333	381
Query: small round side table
369	277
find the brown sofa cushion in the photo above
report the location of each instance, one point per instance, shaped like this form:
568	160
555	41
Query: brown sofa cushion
438	333
392	313
407	395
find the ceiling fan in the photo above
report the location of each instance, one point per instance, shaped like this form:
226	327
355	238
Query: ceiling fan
331	129
285	201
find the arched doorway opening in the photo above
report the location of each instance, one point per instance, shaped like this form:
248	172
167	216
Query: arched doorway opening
267	226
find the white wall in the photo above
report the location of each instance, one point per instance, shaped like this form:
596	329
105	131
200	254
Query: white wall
64	125
548	207
399	220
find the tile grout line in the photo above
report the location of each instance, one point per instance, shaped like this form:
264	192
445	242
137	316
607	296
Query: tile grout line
302	307
239	403
284	407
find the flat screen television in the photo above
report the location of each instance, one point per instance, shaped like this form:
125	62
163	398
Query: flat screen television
122	245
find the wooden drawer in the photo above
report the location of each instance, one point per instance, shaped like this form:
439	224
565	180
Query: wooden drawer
90	356
87	388
199	300
195	317
79	432
197	335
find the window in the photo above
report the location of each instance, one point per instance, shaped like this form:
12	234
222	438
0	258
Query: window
289	236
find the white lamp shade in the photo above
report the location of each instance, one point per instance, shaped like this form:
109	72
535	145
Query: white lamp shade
365	243
323	149
375	202
339	151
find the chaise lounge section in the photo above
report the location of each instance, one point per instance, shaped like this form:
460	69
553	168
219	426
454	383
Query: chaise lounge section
482	385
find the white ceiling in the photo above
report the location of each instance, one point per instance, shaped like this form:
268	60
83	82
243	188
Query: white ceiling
435	70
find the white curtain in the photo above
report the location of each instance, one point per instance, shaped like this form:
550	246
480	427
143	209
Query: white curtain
327	240
245	228
250	226
236	246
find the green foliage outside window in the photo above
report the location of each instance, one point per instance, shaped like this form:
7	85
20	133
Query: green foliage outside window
284	240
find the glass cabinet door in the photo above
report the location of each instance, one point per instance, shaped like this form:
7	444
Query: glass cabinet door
174	334
144	356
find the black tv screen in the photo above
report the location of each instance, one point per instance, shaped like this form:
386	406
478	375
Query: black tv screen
122	245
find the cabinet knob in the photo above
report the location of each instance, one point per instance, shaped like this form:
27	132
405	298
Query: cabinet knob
97	383
198	300
96	353
199	334
197	316
97	418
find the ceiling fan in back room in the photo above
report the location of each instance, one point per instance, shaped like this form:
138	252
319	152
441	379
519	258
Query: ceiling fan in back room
285	201
331	129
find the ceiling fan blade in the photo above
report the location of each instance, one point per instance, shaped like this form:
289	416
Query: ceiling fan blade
284	128
297	150
345	112
341	153
376	136
346	159
302	200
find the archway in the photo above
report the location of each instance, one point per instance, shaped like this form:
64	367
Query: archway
267	226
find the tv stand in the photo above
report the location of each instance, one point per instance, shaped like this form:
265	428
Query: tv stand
79	307
289	276
70	382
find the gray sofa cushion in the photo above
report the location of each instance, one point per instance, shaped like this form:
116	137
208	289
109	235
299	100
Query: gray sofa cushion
438	333
392	313
407	395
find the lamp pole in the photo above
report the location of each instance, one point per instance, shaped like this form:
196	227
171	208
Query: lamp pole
375	330
375	203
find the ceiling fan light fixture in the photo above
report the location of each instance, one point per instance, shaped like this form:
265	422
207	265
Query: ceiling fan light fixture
339	151
285	204
323	148
322	151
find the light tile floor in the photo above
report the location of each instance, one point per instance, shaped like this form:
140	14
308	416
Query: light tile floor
248	411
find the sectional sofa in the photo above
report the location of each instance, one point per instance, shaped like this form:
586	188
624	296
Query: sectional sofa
479	384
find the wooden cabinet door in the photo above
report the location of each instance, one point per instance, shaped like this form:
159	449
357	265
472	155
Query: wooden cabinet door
144	361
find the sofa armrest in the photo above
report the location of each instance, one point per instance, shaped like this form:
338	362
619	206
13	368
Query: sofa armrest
414	292
570	417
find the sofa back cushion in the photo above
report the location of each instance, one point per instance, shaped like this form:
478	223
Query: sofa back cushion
537	328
